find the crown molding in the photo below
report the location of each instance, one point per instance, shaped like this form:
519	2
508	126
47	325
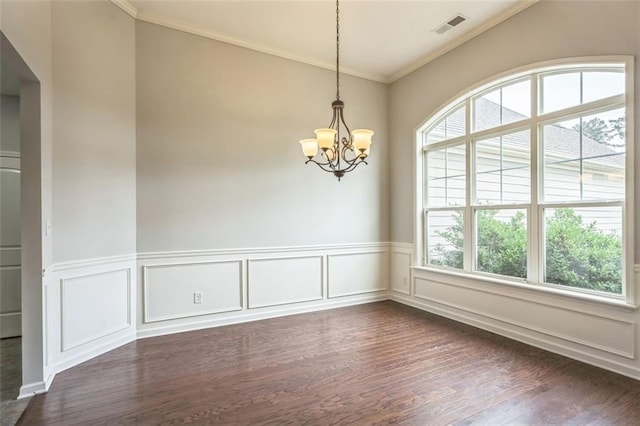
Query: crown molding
517	8
127	7
199	31
387	79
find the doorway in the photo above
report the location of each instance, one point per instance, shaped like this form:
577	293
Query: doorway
21	238
10	246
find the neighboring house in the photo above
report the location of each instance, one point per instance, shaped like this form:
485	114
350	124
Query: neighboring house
566	177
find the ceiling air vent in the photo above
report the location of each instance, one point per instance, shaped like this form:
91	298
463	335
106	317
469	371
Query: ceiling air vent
453	22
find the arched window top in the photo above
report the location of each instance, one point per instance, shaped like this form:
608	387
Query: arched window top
509	99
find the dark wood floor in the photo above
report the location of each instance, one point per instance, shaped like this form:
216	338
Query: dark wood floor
379	363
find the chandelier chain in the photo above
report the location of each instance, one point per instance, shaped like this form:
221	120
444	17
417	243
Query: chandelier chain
329	151
338	49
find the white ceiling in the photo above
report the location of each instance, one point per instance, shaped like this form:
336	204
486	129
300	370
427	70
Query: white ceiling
381	40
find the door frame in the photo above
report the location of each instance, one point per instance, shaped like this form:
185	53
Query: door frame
32	213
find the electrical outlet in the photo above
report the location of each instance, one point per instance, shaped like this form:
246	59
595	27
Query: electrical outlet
197	297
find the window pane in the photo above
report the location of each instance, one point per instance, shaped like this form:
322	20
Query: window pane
583	248
559	91
446	179
502	242
562	181
600	85
562	166
604	133
603	178
436	167
566	90
503	169
505	105
488	188
445	238
516	102
452	126
584	158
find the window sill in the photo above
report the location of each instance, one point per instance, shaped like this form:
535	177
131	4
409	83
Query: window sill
533	288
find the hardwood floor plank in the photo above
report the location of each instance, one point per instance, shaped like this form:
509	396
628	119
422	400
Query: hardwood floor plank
380	363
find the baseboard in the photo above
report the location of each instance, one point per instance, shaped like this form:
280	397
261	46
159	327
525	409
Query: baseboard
523	336
31	389
250	316
93	352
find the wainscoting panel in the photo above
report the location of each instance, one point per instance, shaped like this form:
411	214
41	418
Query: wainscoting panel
605	334
255	283
89	309
170	289
94	306
280	281
357	273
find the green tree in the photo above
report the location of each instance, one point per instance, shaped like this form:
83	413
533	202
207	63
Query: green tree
596	129
603	132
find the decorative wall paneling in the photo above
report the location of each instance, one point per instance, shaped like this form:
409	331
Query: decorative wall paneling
90	308
593	331
190	290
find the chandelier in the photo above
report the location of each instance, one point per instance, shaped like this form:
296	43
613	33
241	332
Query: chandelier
337	155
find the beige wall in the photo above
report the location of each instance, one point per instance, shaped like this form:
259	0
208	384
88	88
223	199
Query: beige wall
10	120
548	30
93	131
219	164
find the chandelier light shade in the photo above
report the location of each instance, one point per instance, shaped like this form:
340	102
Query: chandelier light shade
331	152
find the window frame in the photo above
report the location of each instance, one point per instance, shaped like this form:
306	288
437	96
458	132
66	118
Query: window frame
535	208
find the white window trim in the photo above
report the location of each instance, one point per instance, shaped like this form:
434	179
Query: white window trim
629	297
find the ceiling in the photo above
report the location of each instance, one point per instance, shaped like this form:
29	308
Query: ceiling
381	40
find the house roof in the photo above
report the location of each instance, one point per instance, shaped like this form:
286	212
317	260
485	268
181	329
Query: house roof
560	142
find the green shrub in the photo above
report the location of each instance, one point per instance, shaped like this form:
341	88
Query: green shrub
577	254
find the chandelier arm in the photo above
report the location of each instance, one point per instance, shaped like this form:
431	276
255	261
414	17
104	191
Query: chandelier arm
327	163
334	119
354	160
353	166
322	165
345	148
345	125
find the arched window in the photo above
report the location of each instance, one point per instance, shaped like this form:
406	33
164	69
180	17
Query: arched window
528	178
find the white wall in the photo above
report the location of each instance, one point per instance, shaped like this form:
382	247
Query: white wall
94	180
219	163
592	331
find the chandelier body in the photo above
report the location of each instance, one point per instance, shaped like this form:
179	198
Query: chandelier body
329	151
